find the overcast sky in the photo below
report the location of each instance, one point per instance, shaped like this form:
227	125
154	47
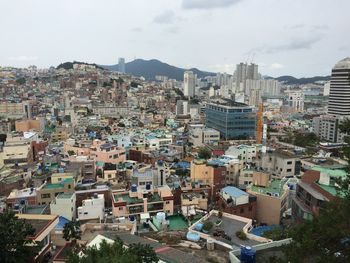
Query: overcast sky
294	37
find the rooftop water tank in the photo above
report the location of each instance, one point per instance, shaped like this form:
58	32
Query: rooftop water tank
198	226
248	255
133	188
210	244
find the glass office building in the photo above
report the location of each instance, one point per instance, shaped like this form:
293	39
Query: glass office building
234	121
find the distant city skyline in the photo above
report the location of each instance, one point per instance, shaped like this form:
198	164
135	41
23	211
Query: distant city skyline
299	38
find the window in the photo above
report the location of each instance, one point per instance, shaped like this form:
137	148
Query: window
289	170
250	208
167	202
69	186
242	210
46	195
120	208
289	162
85	213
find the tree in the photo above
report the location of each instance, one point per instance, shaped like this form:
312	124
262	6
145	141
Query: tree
71	152
71	231
204	153
21	81
116	253
15	246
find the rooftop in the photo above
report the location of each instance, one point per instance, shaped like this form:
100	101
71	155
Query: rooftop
230	103
126	198
343	64
276	187
233	191
331	172
58	185
65	195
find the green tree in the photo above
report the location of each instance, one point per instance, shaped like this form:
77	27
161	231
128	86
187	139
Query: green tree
71	231
21	81
204	153
71	152
15	246
115	253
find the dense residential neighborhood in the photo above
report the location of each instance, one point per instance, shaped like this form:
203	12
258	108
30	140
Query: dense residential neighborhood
203	165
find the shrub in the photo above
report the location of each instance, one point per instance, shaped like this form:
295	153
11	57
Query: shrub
207	225
220	214
241	235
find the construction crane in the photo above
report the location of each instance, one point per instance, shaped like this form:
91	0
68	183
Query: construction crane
260	124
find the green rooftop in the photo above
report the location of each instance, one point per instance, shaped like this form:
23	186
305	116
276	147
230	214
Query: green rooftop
58	185
154	198
65	195
276	187
129	200
338	173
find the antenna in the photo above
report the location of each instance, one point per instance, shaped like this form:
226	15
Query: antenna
253	56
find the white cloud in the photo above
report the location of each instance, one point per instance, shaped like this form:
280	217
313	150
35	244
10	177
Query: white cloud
207	4
276	66
24	58
167	17
228	68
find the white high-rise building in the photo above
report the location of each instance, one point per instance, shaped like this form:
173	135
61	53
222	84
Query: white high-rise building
295	100
121	65
189	84
245	72
339	95
182	107
326	127
254	98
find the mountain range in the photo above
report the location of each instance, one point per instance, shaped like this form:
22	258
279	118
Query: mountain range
149	69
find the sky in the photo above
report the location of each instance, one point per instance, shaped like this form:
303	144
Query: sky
285	37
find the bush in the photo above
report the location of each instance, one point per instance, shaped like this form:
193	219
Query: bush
241	235
207	225
220	214
204	153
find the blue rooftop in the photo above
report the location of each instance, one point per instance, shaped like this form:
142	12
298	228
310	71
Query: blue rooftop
182	165
62	221
233	191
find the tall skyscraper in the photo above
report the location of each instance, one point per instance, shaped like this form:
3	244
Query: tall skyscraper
244	72
252	71
189	84
339	95
121	65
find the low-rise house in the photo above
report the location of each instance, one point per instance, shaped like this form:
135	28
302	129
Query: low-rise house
313	191
281	163
93	208
108	153
237	202
48	191
272	197
142	200
43	226
25	196
64	205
